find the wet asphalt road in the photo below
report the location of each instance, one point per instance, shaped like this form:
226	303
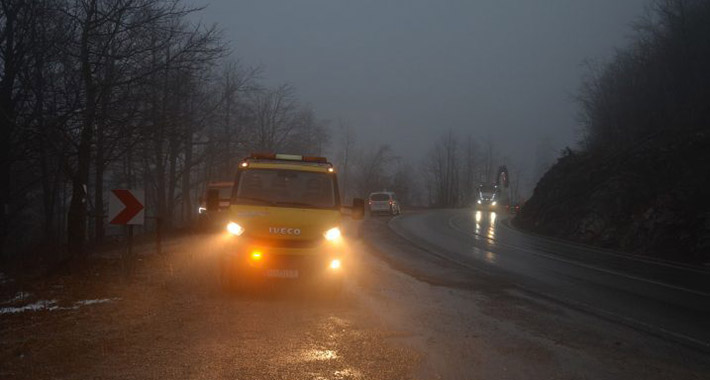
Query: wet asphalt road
660	298
430	295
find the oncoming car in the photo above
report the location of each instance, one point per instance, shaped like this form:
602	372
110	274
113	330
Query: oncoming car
285	222
487	197
384	202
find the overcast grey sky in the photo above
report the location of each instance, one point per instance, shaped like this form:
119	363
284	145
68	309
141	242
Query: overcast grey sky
403	71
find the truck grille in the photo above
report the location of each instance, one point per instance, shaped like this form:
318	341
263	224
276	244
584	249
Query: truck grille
288	243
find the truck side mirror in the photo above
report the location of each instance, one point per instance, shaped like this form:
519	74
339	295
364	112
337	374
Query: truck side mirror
358	210
212	200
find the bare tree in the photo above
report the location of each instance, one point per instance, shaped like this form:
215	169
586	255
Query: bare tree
443	170
372	169
103	93
470	176
309	136
404	184
228	135
344	157
274	117
652	87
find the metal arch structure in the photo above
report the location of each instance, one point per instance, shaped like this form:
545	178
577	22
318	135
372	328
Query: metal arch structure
503	179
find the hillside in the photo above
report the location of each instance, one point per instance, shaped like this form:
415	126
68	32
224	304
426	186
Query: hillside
652	200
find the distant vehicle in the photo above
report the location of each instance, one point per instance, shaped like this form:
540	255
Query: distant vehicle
214	204
384	202
285	221
513	208
487	197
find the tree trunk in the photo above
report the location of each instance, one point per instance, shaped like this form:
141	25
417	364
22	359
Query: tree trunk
76	221
7	121
100	165
50	189
174	151
159	174
4	176
76	227
99	227
186	178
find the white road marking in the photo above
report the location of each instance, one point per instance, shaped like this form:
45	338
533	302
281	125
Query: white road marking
580	264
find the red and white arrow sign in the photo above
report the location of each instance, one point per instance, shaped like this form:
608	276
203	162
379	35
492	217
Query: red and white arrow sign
126	207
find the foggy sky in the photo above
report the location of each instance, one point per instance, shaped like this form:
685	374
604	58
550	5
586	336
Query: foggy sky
404	71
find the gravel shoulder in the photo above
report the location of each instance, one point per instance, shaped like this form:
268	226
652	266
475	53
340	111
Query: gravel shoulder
172	321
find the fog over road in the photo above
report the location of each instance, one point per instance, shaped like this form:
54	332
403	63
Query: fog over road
561	310
662	298
458	298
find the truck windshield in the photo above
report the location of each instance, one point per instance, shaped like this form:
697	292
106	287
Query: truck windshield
487	191
225	193
285	188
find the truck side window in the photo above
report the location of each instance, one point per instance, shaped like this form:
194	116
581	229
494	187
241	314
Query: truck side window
212	199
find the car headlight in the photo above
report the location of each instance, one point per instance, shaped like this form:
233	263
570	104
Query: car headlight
332	234
494	203
235	229
479	201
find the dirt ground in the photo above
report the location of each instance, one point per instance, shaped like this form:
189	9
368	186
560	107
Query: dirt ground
172	320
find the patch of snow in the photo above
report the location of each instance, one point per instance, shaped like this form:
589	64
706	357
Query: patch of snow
94	302
39	305
52	305
20	296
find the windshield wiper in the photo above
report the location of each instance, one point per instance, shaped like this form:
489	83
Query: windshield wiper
279	203
256	200
302	204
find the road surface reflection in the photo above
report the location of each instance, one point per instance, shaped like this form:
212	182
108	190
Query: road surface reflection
485	225
485	230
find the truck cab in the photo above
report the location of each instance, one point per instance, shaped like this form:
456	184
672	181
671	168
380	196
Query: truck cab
285	221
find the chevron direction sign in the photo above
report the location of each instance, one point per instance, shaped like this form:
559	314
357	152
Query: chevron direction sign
126	207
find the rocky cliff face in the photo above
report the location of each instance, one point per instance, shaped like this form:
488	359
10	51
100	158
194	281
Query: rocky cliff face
652	200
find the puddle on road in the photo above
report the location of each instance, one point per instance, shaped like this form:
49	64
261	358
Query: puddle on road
343	374
313	355
348	373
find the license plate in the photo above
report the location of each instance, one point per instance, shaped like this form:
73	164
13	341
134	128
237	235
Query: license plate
282	273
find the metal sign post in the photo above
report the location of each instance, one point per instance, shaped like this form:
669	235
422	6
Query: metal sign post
126	207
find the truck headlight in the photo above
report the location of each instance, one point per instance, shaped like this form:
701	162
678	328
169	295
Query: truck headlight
332	234
235	229
335	264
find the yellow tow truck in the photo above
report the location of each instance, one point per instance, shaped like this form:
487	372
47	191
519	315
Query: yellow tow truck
285	222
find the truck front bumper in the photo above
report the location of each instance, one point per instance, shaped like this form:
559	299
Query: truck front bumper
264	261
